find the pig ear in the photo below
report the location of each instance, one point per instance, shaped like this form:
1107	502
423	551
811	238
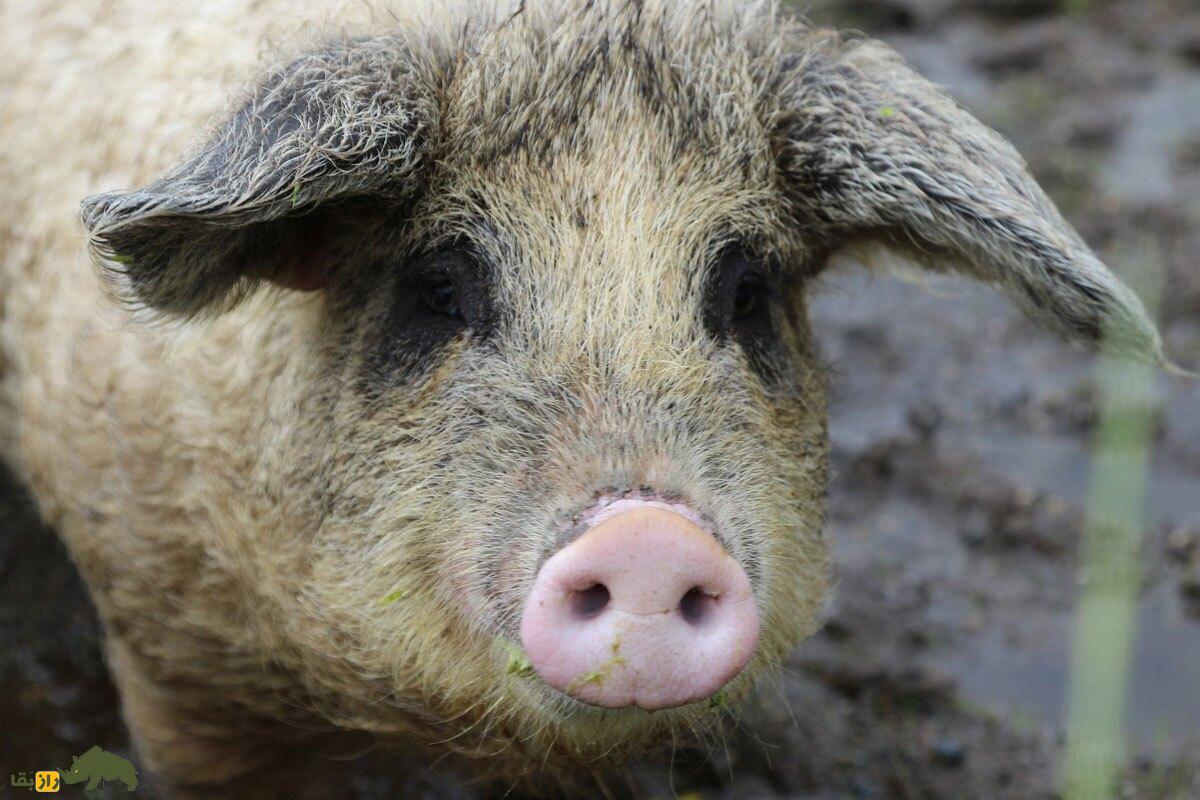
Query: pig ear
871	148
330	127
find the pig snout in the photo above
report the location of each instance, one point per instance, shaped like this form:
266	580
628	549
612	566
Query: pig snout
644	609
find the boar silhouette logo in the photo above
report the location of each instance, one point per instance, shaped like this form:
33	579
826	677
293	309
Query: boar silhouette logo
97	766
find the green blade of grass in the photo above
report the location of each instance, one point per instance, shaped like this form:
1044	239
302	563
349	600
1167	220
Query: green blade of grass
1105	621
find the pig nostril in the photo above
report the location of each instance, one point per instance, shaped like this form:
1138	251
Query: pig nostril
696	605
589	602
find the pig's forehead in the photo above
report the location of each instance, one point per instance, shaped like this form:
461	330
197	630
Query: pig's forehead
608	114
629	183
542	84
622	174
491	115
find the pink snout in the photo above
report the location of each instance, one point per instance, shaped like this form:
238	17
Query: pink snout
645	609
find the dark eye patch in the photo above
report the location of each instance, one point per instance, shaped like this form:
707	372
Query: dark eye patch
741	304
435	297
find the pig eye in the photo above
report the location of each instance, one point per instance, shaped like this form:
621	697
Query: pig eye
740	306
436	296
440	296
739	296
447	287
749	299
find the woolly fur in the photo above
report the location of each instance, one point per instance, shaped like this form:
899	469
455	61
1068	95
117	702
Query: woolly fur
278	537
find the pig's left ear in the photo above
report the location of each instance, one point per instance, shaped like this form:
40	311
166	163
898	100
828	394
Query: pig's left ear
350	121
870	148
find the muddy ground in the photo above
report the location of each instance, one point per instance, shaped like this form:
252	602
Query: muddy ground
961	439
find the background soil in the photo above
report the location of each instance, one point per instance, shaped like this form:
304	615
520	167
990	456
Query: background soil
961	439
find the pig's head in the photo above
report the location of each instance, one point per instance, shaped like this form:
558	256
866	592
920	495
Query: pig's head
548	446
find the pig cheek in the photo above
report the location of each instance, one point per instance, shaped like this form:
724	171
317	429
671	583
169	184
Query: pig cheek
486	573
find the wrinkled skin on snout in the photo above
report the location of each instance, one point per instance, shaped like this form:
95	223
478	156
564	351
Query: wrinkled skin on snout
432	301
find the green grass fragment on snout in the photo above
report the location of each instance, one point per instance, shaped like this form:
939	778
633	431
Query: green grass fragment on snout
598	675
122	259
717	700
519	663
393	596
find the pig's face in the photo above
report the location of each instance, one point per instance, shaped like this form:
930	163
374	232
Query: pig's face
541	334
561	433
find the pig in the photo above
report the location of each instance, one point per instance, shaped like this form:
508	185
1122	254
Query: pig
448	381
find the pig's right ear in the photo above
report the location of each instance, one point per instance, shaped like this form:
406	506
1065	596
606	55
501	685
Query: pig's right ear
351	121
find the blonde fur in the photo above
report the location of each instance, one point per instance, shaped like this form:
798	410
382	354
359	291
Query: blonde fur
240	507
